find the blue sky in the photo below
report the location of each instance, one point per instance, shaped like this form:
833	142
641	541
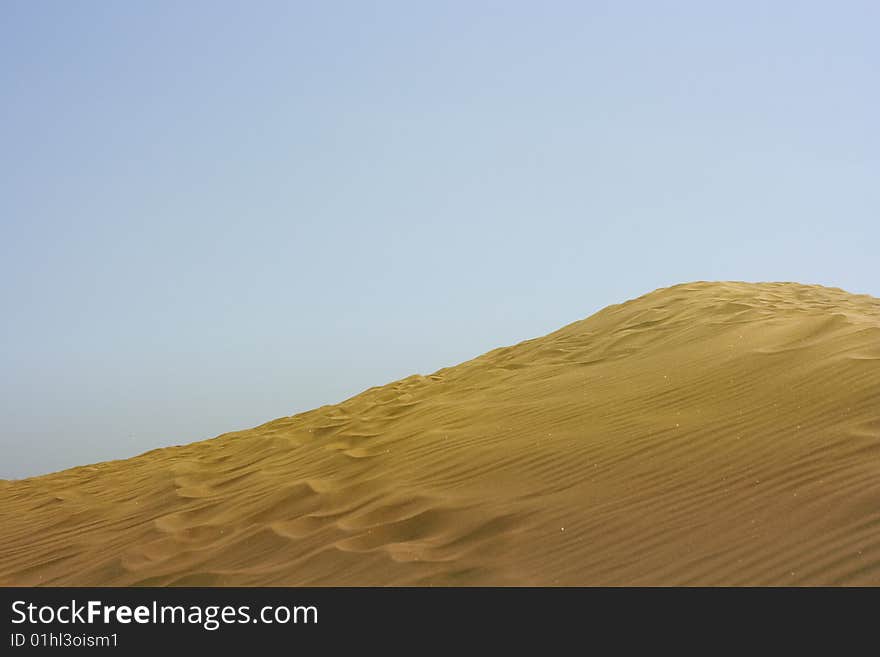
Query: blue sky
213	214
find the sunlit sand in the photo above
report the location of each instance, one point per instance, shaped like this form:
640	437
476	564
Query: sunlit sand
703	434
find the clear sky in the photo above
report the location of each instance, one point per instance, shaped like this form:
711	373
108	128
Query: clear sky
213	214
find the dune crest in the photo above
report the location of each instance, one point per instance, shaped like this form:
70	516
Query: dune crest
702	434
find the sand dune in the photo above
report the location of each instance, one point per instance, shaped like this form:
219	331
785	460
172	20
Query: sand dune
703	434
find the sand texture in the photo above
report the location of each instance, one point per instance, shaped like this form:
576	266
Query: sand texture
703	434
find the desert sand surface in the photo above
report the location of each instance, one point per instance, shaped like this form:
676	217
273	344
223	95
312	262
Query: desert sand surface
702	434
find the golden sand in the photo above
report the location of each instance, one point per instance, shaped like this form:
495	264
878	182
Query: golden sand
703	434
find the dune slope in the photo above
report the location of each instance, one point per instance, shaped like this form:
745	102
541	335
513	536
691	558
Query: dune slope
703	434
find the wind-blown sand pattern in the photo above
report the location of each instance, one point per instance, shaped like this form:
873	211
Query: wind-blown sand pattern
703	434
